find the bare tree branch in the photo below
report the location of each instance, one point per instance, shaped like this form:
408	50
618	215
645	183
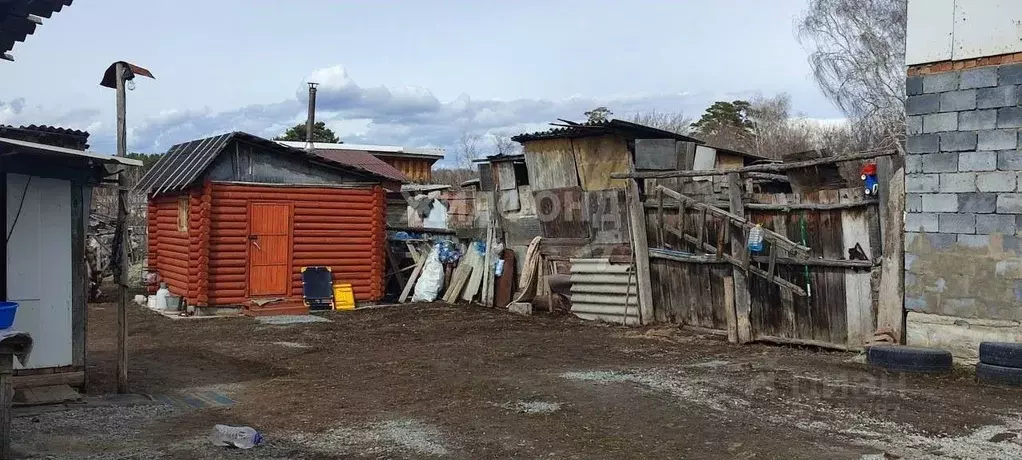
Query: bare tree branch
857	53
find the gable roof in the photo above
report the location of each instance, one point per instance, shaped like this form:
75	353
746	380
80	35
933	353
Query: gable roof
627	128
385	150
19	18
364	160
184	163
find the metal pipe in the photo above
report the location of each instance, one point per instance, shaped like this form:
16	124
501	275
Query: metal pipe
310	121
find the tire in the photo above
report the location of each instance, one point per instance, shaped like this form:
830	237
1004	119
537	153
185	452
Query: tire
909	359
1004	354
998	375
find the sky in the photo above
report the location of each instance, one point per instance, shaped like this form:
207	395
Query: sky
413	73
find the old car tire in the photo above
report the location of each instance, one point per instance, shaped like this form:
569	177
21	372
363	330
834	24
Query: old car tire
1003	354
909	359
998	375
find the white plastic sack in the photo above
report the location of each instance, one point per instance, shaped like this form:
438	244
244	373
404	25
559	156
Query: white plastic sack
432	276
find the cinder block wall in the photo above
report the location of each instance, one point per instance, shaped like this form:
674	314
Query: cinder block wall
963	255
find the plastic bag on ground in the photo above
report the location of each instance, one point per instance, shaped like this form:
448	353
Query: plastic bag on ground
431	278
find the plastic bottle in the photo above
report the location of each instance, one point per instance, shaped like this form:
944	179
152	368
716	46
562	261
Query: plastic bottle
242	437
756	238
161	297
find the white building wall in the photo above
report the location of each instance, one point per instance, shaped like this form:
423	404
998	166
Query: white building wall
954	30
39	265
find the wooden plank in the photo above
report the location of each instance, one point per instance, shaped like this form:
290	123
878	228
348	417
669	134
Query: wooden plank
551	164
488	267
832	290
476	280
79	277
773	167
6	400
509	200
397	272
505	175
730	315
74	379
702	227
851	204
640	251
660	219
562	213
414	252
739	264
412	279
890	310
741	283
858	294
739	221
787	301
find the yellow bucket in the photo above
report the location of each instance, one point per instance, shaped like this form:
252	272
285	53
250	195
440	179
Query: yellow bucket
344	298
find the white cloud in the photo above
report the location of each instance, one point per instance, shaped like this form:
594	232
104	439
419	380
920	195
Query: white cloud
410	116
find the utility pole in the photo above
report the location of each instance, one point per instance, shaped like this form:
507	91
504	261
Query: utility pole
310	121
119	76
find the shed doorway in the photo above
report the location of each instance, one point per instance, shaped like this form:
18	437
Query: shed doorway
269	238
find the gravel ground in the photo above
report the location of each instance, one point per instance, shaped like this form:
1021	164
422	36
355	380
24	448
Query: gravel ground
436	381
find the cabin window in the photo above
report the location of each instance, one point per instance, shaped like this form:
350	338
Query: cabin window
521	174
182	214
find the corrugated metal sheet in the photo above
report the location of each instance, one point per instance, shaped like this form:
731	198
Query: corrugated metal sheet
626	128
18	20
602	291
364	160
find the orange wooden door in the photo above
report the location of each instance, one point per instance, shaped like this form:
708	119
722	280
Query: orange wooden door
269	251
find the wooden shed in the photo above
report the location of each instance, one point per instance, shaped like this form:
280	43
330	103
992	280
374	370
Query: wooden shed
233	218
49	179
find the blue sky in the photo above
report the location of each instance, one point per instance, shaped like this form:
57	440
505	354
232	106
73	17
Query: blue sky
414	73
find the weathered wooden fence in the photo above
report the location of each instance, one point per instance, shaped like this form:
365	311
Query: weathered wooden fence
823	297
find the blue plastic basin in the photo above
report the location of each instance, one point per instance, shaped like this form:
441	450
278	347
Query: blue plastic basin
7	311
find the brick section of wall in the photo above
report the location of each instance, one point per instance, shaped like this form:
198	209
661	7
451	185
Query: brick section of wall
964	188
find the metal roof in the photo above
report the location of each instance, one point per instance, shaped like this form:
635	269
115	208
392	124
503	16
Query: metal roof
71	138
44	149
19	18
396	150
184	163
364	160
627	128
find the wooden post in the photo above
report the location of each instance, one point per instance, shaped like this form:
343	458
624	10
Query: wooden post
122	256
640	250
743	304
6	398
890	310
858	294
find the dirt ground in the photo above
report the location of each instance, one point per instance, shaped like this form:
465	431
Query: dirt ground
430	381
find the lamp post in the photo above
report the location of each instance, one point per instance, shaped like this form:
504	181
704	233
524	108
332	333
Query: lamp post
119	76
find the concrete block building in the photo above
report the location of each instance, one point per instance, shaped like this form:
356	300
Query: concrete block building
963	227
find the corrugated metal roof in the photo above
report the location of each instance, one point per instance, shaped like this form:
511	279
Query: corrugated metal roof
629	129
396	150
602	291
364	160
37	148
44	134
19	18
184	163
